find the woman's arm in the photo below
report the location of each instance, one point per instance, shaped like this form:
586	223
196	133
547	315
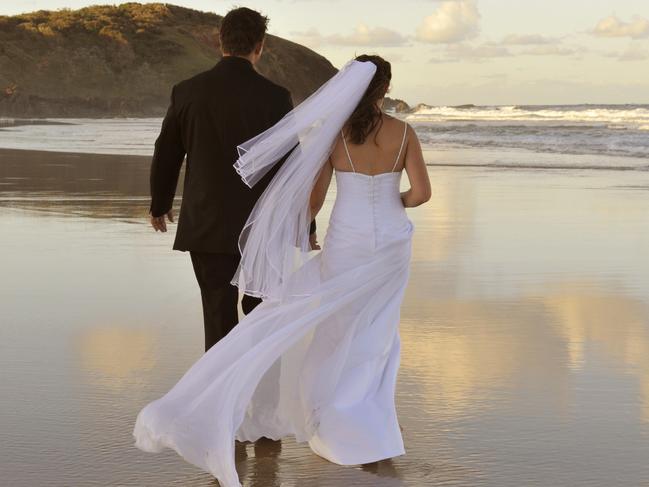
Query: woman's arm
320	188
318	195
417	172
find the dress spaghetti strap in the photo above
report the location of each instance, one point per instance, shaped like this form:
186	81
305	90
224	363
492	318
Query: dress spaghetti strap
403	139
347	151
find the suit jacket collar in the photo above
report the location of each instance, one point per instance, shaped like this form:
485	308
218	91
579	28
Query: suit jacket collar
236	61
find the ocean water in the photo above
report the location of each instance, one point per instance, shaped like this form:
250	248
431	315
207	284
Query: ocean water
134	136
602	136
598	130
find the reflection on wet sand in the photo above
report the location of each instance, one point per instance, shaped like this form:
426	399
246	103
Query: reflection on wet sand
525	333
599	325
93	185
467	351
60	173
451	208
117	357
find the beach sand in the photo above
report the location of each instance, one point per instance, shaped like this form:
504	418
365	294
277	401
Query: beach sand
525	331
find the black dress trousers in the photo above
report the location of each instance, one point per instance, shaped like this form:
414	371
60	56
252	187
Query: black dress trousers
220	298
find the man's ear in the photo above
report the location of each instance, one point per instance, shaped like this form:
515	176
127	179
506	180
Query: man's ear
259	48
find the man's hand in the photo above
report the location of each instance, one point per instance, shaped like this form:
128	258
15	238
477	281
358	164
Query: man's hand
159	223
313	241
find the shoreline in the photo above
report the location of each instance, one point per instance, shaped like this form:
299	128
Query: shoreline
6	151
429	154
36	172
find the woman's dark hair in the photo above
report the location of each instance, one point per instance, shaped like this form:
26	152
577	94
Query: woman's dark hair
241	30
367	114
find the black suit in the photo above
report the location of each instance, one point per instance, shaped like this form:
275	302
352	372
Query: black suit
209	115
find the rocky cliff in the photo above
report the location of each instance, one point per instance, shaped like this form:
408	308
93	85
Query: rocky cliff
123	60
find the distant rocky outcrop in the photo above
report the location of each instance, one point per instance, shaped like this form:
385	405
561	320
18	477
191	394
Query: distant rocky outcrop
395	105
122	60
418	107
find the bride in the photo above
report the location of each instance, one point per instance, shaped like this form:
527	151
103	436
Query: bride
318	359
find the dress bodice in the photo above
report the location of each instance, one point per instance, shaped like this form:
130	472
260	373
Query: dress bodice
368	205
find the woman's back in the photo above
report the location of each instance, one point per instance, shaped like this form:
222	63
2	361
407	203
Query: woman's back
369	210
381	152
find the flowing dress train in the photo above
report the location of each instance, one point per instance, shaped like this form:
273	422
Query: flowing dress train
321	367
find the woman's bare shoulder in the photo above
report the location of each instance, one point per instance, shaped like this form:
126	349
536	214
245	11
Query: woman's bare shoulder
394	119
394	123
389	118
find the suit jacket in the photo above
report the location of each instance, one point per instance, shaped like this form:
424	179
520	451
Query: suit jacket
209	115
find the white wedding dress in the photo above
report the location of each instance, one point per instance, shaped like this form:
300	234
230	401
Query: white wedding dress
322	366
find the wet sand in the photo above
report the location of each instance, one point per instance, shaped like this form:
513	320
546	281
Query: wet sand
525	332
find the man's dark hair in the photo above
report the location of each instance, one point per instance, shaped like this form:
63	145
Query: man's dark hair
241	29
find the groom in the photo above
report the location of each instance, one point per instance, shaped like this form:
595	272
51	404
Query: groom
209	115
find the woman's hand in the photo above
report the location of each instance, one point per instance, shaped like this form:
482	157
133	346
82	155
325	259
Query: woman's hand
313	241
319	191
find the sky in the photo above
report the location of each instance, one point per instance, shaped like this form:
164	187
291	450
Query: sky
451	52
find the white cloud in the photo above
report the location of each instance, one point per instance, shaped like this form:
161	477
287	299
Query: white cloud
538	45
466	52
442	60
527	39
368	36
478	52
634	53
310	37
611	26
549	50
395	57
361	36
453	21
490	50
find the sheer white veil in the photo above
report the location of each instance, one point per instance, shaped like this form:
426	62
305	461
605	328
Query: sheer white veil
274	241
